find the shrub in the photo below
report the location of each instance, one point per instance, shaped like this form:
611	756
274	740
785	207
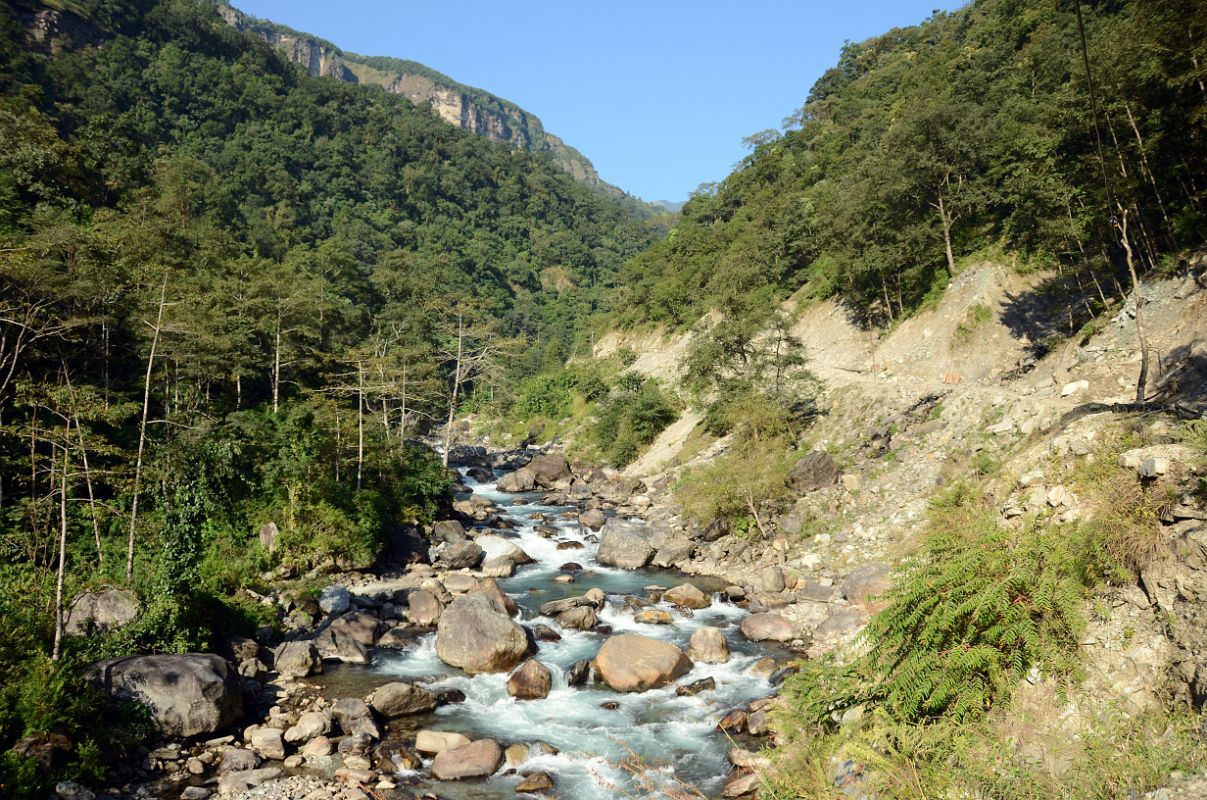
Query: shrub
630	417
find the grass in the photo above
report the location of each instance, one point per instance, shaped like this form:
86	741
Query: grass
974	319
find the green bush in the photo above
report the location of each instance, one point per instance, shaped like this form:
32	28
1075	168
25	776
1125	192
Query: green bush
631	417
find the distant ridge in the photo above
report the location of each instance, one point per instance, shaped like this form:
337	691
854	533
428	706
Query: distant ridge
464	106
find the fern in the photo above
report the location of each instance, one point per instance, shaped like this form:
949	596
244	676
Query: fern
972	614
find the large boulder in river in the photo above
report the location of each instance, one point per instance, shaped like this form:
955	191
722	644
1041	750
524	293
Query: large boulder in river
687	595
708	646
624	544
549	469
102	611
532	681
816	470
634	663
593	518
423	607
476	634
478	759
188	695
521	480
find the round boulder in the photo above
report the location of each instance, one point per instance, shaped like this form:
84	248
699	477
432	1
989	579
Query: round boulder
188	695
630	662
686	595
767	627
478	759
624	544
101	611
532	681
476	634
399	699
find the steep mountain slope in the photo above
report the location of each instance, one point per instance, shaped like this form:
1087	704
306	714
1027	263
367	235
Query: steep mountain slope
463	106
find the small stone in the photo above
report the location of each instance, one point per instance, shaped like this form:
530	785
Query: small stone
653	616
536	782
269	742
428	741
1154	467
1074	387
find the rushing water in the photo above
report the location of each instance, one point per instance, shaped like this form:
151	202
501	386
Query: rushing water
650	739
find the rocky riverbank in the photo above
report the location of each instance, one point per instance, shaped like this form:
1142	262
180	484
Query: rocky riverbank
268	719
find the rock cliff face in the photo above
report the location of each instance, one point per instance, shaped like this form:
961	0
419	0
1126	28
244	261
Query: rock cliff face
463	106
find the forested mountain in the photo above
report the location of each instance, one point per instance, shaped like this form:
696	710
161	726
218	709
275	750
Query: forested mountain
977	128
230	293
457	104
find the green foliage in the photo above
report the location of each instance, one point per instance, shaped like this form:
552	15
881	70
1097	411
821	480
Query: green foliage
630	417
973	320
968	132
742	487
976	610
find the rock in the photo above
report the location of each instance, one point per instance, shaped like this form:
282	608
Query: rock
555	607
70	790
815	471
596	596
478	759
695	687
459	583
187	695
358	625
310	725
771	580
1074	387
549	469
851	482
354	717
101	612
235	759
630	662
741	785
624	544
733	722
498	567
593	518
476	634
448	530
241	781
535	782
1153	467
708	646
461	555
532	681
399	699
582	618
521	480
687	595
578	673
335	600
491	587
745	759
195	793
297	659
867	581
673	552
396	638
653	616
47	750
428	741
268	536
767	627
764	668
423	608
268	742
317	747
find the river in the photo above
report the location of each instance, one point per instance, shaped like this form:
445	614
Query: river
609	744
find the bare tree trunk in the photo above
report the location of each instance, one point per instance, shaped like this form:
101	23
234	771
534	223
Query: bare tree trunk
58	591
276	365
96	527
142	432
452	405
1148	174
360	421
947	222
238	391
1142	381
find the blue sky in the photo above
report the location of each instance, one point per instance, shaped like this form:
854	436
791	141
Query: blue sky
658	94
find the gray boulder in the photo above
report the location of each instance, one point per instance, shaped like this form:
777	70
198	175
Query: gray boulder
460	555
188	695
549	469
448	530
624	544
767	626
867	581
478	759
102	611
297	659
335	600
521	480
815	471
399	699
423	607
354	717
476	634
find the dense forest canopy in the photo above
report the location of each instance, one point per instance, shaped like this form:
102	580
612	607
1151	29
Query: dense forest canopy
977	128
231	295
